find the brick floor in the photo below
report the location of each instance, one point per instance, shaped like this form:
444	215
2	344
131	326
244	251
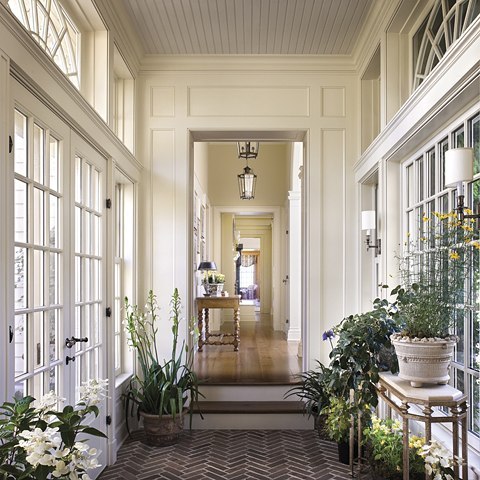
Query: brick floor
231	455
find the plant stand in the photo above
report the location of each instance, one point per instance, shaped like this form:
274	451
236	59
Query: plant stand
400	396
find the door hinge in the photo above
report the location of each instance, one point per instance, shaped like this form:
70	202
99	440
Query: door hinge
108	203
108	312
108	420
10	144
286	232
10	334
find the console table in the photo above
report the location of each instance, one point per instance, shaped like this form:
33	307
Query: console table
400	396
207	338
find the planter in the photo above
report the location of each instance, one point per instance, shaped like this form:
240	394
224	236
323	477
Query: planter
161	431
213	289
424	360
344	452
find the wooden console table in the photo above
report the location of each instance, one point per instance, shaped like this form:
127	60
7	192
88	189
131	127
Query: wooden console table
207	338
400	396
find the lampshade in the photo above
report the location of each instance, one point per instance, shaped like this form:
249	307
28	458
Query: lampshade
458	166
247	149
368	220
246	184
207	266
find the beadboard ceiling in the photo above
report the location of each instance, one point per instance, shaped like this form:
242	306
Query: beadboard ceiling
247	27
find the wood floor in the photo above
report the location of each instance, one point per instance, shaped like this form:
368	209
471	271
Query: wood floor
264	356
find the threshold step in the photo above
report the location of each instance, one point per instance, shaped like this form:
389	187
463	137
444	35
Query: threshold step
251	407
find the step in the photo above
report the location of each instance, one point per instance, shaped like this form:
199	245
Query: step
251	416
245	392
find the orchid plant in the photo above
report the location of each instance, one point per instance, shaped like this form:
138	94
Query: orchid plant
37	441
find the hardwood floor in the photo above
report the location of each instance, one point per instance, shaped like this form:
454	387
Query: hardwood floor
264	356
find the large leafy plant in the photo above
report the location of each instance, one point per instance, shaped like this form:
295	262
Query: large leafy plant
162	387
37	441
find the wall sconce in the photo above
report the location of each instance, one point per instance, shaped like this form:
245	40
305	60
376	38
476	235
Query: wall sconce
247	182
369	223
459	169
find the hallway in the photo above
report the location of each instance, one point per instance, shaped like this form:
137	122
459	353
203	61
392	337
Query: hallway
231	455
264	356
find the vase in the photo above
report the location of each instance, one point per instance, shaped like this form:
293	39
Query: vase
164	430
424	360
213	289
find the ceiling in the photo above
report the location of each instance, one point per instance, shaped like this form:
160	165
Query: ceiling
248	27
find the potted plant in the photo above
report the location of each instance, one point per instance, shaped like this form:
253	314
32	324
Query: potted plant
213	282
39	441
433	271
314	391
162	389
384	447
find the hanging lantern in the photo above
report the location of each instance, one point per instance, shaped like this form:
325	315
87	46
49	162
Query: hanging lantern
246	184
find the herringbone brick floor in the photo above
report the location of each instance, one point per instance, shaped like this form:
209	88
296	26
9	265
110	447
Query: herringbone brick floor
231	455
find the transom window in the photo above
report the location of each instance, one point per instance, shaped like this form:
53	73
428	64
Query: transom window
446	22
49	24
424	192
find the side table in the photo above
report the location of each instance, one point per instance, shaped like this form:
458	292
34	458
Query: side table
207	338
400	396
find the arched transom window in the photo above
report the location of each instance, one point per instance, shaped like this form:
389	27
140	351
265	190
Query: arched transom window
447	21
49	24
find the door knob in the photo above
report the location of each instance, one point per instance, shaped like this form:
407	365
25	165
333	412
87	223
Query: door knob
69	359
70	342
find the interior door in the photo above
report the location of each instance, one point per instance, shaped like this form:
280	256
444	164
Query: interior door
59	258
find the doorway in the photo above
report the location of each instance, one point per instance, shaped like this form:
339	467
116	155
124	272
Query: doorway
264	300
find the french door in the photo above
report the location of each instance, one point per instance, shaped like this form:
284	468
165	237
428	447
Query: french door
59	257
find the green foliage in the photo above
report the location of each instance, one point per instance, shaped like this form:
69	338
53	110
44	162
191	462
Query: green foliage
359	353
338	415
161	387
384	440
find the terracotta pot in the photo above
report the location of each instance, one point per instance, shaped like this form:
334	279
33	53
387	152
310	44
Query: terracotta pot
164	430
424	361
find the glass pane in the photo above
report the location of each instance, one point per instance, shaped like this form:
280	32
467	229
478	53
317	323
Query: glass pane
96	235
20	211
35	387
21	350
410	186
420	182
20	279
96	294
474	126
38	278
78	230
52	381
96	193
20	389
443	148
87	185
95	327
458	138
53	233
78	279
38	340
54	152
78	180
117	352
38	215
78	316
87	276
20	144
431	173
53	336
38	154
53	277
474	405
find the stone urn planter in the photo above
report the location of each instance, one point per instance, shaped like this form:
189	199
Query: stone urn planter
424	360
161	431
213	289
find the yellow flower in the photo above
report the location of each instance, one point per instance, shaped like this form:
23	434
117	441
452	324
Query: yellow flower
425	218
467	228
476	245
454	255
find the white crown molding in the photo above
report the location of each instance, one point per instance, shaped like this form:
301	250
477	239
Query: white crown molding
342	64
462	63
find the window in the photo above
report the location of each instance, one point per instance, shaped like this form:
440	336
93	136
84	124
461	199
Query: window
446	22
123	269
425	192
51	27
38	258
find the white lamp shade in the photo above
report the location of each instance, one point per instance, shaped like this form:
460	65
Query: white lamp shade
458	166
368	220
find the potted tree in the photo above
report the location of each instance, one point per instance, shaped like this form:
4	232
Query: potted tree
161	390
433	271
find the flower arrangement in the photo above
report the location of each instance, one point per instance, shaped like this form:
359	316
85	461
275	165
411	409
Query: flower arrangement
438	461
37	441
214	277
433	270
384	441
161	387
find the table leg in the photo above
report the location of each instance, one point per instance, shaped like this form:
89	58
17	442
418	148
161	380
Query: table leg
406	450
207	326
236	329
200	328
464	425
427	412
